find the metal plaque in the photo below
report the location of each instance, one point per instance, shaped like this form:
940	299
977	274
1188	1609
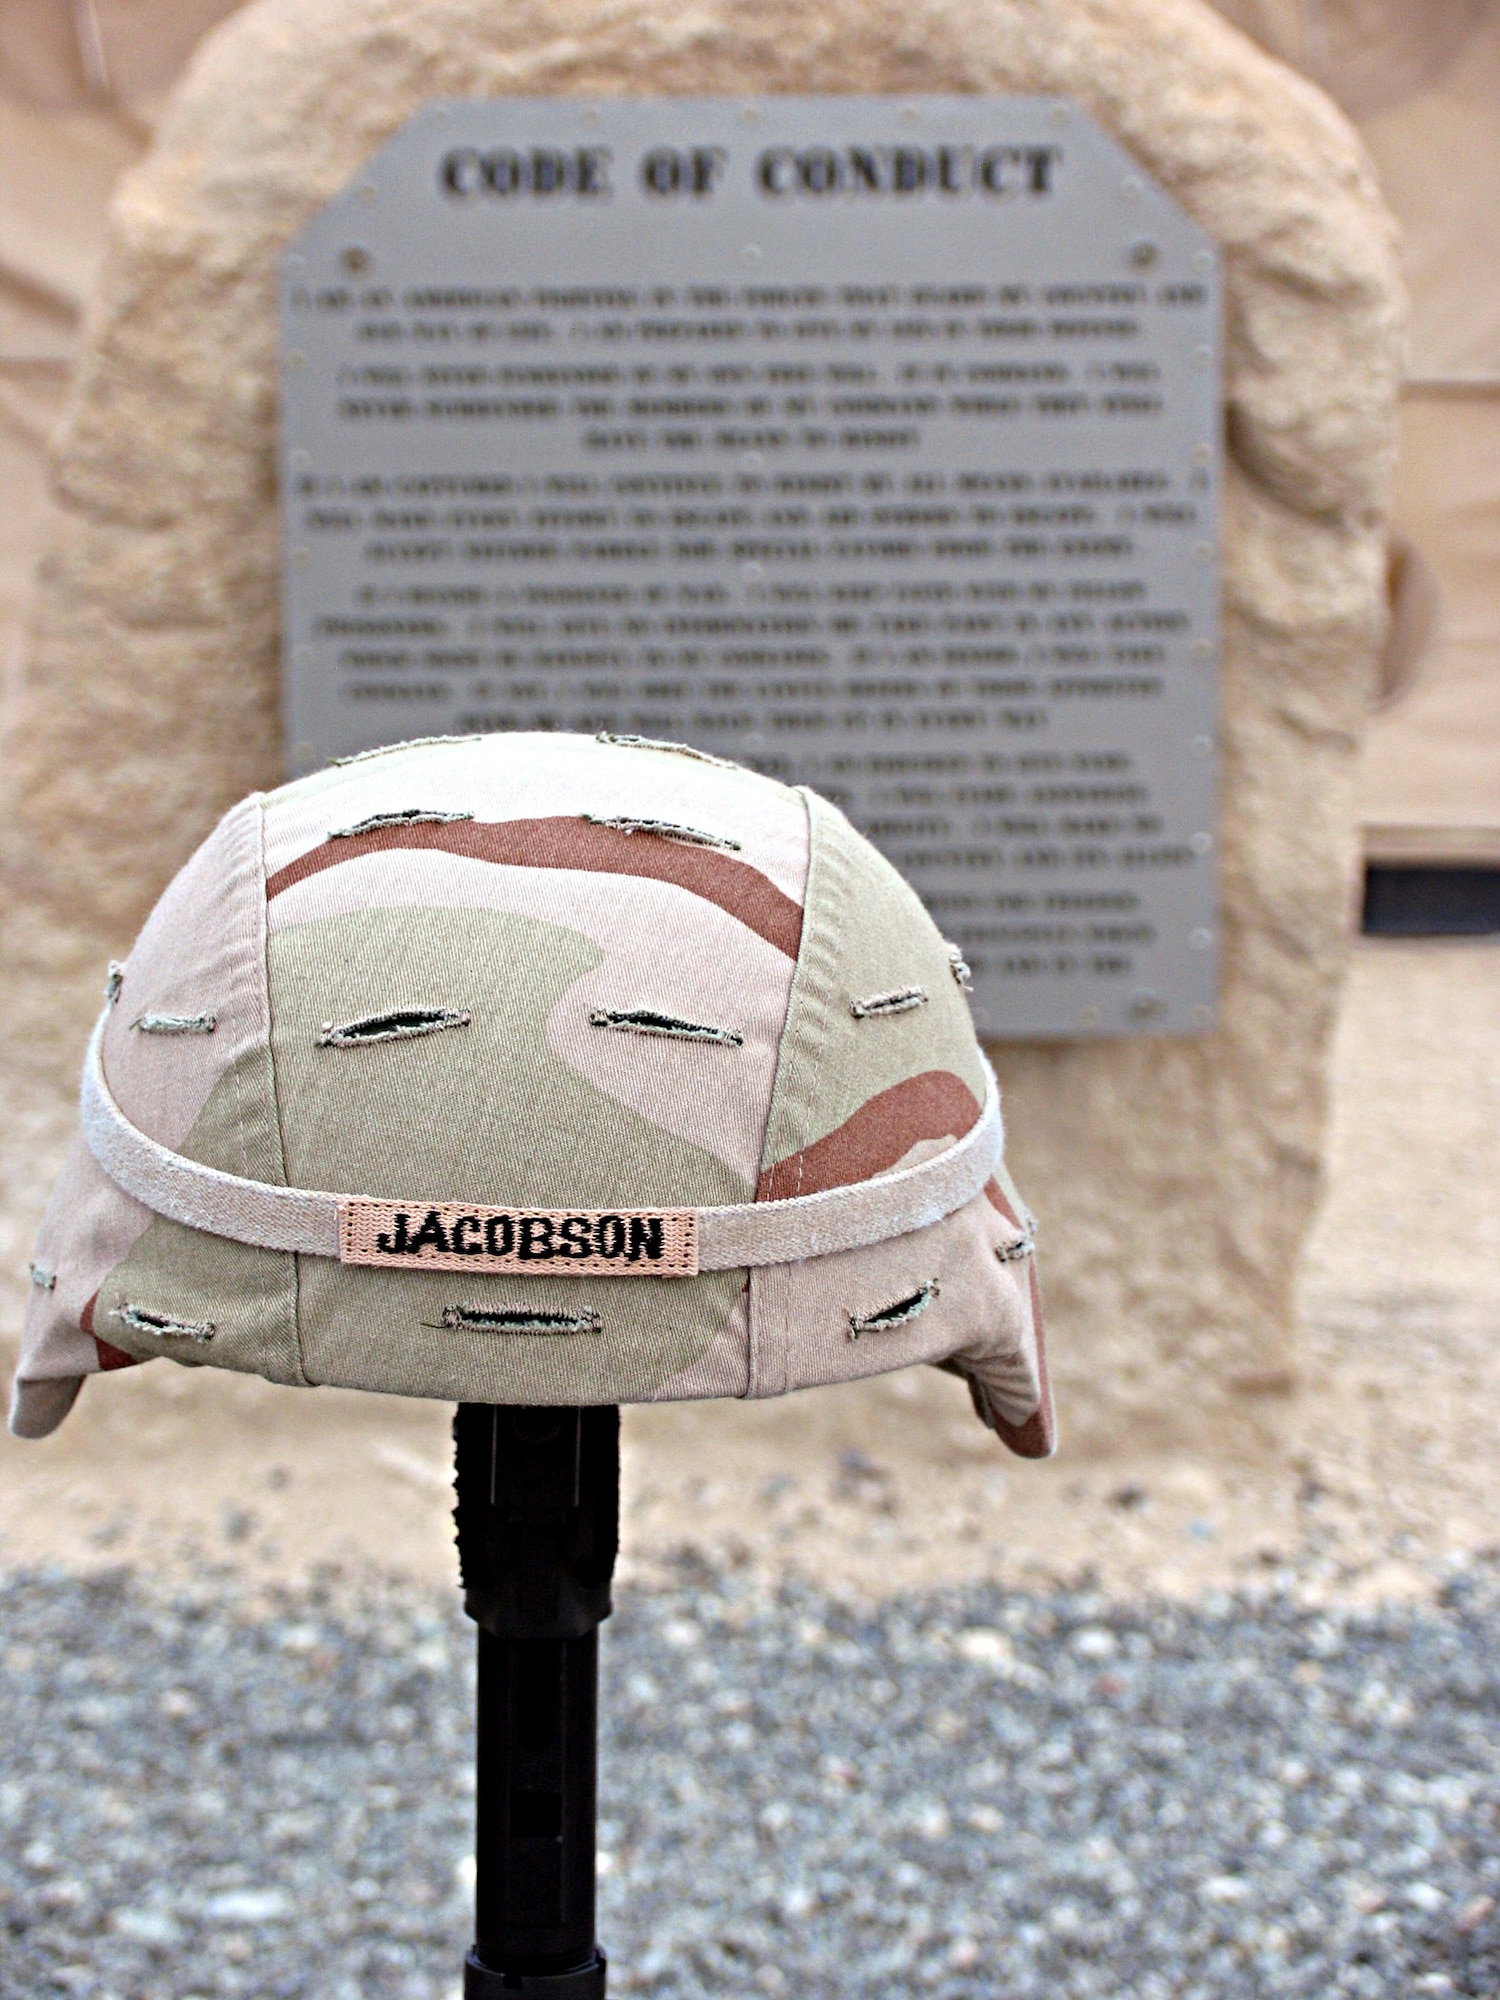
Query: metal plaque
871	441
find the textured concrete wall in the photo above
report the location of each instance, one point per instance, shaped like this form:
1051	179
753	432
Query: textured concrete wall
1176	1181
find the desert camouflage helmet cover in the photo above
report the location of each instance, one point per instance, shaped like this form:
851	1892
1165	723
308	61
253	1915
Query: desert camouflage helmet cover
539	1069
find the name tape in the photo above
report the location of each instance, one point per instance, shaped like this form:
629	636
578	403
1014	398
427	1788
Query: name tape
548	1242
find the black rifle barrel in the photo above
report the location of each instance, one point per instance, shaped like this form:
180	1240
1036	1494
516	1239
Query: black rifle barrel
538	1532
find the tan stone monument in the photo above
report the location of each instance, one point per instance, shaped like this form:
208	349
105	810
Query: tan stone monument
1422	82
1175	1179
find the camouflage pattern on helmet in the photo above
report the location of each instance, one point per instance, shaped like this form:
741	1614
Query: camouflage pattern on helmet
539	972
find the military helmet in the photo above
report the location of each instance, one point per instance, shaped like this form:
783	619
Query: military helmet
539	1069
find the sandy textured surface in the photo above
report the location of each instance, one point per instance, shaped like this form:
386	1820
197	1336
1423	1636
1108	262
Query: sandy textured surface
1388	1466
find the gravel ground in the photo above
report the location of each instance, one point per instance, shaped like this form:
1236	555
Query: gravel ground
968	1795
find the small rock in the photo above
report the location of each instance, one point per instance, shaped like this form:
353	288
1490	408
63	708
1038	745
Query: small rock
146	1926
247	1906
1094	1642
